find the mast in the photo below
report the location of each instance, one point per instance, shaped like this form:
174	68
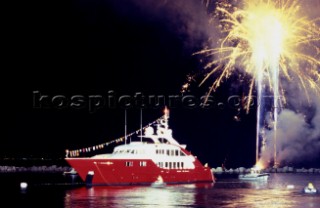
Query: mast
141	124
125	126
166	116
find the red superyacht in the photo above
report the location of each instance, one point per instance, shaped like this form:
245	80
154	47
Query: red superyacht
156	155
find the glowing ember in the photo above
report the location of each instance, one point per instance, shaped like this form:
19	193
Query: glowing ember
259	165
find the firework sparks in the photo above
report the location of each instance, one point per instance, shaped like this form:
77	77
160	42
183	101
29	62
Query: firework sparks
269	40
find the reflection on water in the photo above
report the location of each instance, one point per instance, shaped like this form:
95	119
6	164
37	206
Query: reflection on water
229	192
138	196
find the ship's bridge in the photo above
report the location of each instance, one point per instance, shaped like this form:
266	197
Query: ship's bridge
141	149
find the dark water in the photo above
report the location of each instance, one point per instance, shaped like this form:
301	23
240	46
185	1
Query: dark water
56	190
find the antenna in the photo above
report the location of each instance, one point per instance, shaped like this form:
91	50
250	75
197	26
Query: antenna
141	124
125	126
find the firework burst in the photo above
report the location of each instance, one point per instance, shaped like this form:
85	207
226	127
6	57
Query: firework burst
262	36
271	41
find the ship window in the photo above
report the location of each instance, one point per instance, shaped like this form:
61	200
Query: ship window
157	151
182	164
132	151
166	165
172	152
178	165
129	163
161	164
168	152
174	165
162	151
182	153
143	163
177	152
170	165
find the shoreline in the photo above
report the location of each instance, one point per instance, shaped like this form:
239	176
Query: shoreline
43	169
218	170
285	169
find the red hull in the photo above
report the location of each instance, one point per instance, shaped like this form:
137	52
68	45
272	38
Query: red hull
116	172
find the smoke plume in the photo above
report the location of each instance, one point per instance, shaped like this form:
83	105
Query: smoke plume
297	134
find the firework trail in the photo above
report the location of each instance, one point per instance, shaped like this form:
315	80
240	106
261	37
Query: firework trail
270	41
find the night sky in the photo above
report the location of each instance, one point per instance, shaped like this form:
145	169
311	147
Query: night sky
93	47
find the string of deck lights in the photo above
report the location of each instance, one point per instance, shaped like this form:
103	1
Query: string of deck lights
77	152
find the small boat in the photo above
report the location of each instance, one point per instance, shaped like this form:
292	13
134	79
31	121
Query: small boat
159	182
71	172
310	189
255	174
